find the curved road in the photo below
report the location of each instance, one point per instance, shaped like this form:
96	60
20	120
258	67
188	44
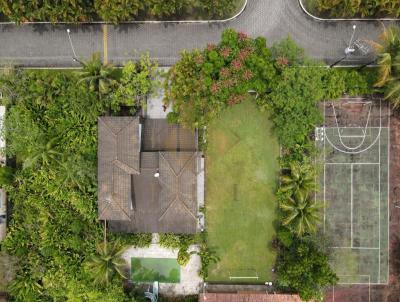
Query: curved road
47	45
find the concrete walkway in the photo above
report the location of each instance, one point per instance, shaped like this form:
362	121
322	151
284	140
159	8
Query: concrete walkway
48	45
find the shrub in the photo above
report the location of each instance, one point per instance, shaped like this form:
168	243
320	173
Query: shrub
136	240
304	268
180	242
6	175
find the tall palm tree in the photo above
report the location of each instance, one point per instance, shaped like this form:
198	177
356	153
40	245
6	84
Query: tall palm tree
100	77
387	50
301	214
107	262
299	180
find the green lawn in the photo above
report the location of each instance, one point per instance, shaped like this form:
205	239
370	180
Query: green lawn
241	178
155	269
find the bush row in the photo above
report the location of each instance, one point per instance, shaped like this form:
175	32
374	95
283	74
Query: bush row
115	10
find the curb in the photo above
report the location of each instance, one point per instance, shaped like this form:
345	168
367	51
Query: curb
120	66
342	19
138	22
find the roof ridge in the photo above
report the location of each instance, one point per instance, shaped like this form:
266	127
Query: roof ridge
123	166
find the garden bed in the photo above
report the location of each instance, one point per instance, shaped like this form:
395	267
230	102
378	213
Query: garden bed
241	175
328	9
115	12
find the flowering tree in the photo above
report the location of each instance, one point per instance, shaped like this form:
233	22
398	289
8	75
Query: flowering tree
204	82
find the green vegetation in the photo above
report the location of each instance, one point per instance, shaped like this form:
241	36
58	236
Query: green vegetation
203	83
155	269
242	170
107	262
179	242
54	229
303	267
246	96
117	10
351	8
208	88
388	50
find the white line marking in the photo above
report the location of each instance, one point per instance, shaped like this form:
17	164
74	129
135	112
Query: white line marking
388	194
351	205
365	127
353	163
354	247
379	201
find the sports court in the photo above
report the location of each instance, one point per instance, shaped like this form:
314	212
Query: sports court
354	185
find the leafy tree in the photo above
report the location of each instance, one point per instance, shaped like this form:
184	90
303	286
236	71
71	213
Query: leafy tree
161	8
118	10
286	52
205	82
107	262
301	214
216	8
303	267
47	10
138	81
293	99
351	8
114	10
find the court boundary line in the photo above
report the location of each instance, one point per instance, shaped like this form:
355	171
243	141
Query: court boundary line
369	286
378	138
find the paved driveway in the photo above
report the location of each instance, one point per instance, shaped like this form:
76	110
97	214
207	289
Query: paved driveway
47	45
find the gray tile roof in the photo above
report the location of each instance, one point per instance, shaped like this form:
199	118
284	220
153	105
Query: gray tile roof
118	159
131	199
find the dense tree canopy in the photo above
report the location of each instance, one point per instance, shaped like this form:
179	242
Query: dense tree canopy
115	10
303	267
51	130
351	8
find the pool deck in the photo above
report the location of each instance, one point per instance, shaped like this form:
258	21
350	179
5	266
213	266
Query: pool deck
190	281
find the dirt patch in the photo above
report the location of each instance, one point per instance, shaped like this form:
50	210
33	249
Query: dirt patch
390	292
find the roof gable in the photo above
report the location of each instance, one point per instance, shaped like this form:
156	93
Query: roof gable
118	159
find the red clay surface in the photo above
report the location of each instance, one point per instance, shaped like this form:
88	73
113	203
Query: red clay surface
390	292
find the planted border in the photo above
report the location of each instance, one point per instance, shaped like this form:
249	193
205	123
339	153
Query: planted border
303	6
142	17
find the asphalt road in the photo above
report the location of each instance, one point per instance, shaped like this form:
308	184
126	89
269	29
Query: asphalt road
45	45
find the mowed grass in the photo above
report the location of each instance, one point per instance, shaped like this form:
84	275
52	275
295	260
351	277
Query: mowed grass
241	177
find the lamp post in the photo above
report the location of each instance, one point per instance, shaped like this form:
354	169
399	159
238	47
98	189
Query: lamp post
74	58
348	50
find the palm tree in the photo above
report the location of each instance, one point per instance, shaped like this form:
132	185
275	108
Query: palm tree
301	214
45	155
387	50
100	77
300	180
107	263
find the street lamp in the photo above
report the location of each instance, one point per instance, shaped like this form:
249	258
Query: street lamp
348	50
74	58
